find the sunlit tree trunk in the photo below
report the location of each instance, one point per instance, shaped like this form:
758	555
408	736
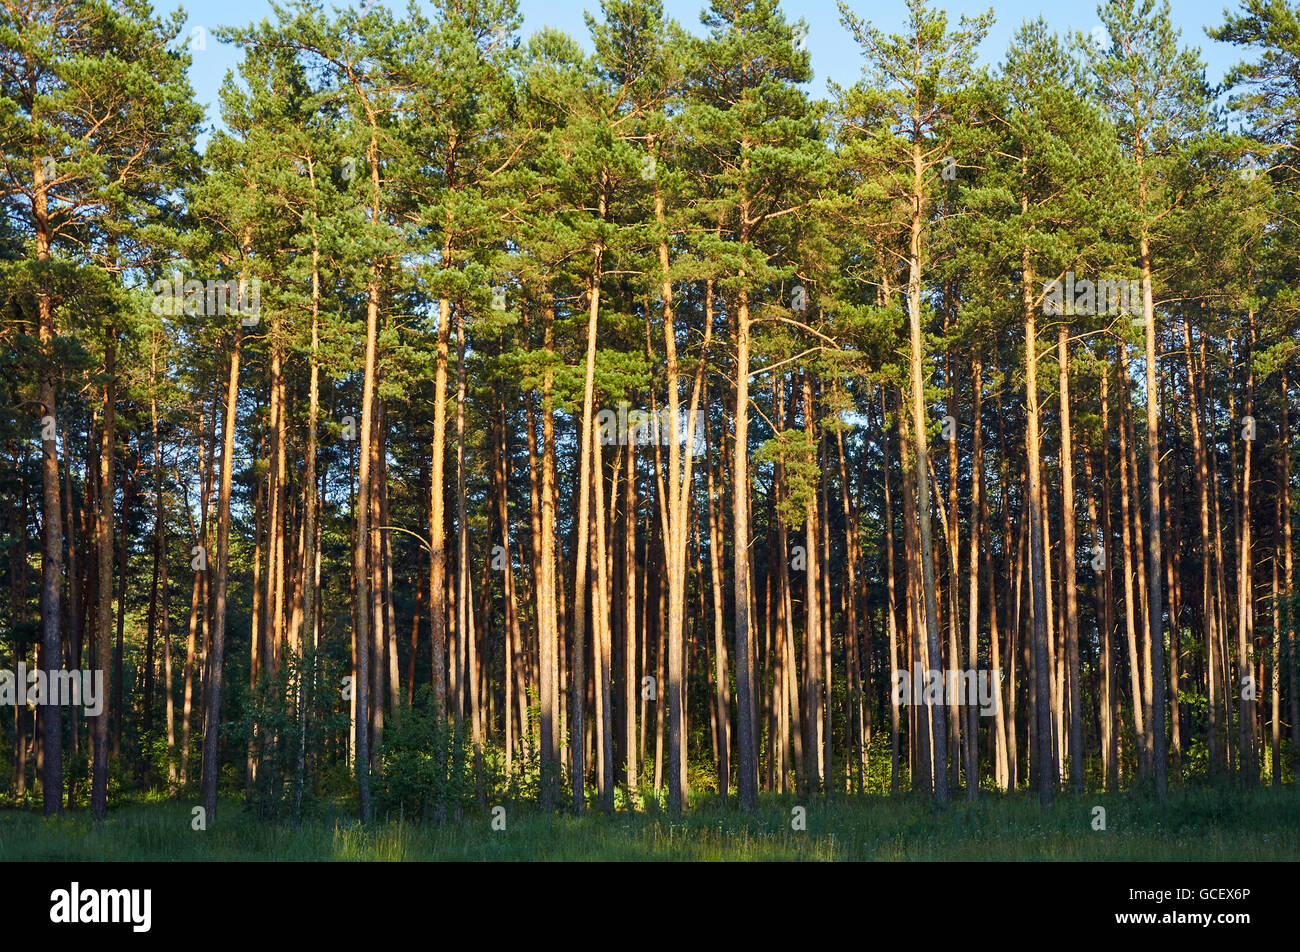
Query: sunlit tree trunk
1068	565
921	473
104	542
1043	760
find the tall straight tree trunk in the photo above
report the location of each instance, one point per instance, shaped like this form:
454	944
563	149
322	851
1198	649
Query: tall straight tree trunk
661	650
857	751
824	573
361	550
747	769
1015	649
76	601
259	616
1209	610
780	766
464	572
1110	684
921	474
305	613
972	578
128	493
952	536
384	545
582	546
548	625
746	739
793	711
1220	575
1068	565
892	606
643	637
603	639
104	606
269	511
1140	579
771	778
1234	660
816	764
1155	622
920	729
1055	647
1001	758
216	653
1105	721
276	562
1042	754
199	596
511	656
535	535
165	635
675	517
630	683
948	656
674	527
437	511
1126	478
1275	688
1015	565
1288	576
1173	503
51	515
1245	591
674	532
375	567
257	642
151	623
722	677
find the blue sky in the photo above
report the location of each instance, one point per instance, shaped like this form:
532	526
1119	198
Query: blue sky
834	55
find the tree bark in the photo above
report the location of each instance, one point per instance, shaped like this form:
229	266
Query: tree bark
216	654
921	473
1069	565
104	541
1043	759
51	514
1155	609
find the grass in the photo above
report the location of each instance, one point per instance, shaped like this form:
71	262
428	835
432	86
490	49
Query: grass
1196	824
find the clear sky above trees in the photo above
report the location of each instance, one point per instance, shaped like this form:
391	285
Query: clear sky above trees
834	55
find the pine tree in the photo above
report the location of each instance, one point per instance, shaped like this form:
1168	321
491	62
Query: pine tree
759	131
96	182
914	95
1157	97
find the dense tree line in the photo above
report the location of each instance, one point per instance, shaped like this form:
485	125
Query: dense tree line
476	417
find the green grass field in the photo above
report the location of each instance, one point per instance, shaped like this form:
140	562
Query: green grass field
1195	825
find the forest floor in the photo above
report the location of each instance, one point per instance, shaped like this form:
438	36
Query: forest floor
1197	824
